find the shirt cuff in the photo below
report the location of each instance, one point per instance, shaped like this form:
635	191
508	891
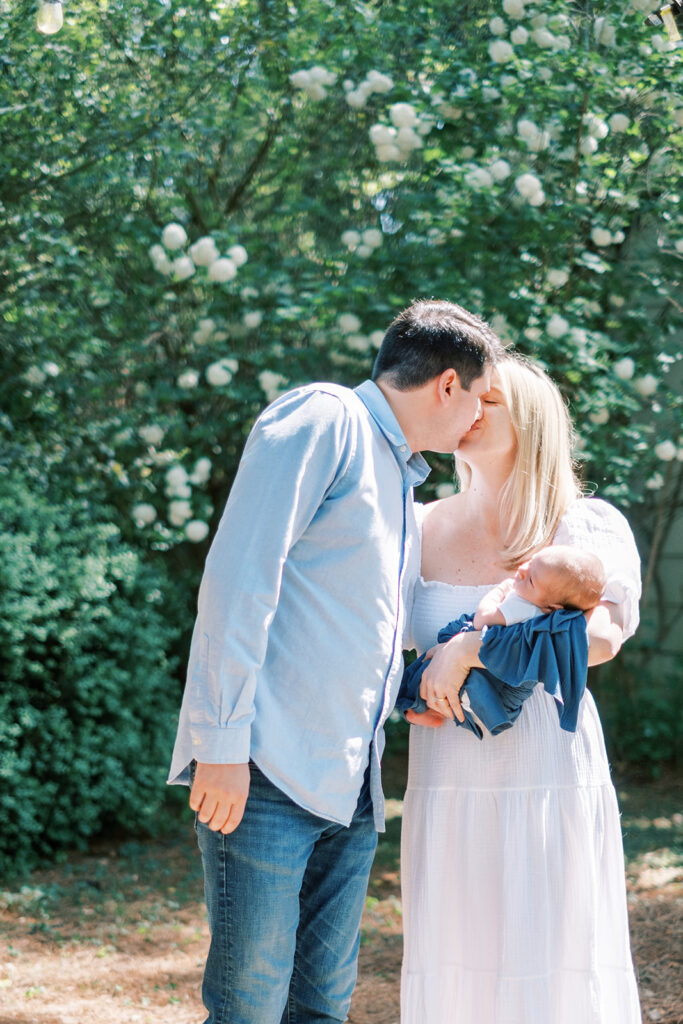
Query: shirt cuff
212	745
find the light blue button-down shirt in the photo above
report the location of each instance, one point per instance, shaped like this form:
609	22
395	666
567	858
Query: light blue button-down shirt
296	655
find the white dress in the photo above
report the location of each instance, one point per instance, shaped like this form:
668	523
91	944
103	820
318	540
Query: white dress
514	901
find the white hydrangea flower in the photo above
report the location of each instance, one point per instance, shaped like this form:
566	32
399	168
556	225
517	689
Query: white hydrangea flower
315	91
479	178
619	122
382	135
253	319
535	138
221	372
300	79
543	38
666	451
183	267
174	236
271	383
34	375
152	434
386	154
501	327
376	338
617	301
563	42
678	116
533	333
498	26
539	20
176	476
350	238
222	270
600	417
601	236
348	323
188	379
144	514
618	237
467	152
238	254
379	81
557	326
588	145
204	331
519	35
357	342
156	252
196	530
364	251
514	8
655	482
545	74
204	251
490	94
646	385
373	237
322	75
528	185
596	126
403	115
179	512
163	265
500	51
624	368
407	139
444	490
557	278
500	170
202	471
605	32
249	292
678	245
357	99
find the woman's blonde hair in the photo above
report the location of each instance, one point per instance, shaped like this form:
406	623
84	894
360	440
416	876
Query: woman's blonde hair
543	482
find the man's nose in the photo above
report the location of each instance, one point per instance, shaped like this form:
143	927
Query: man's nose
479	412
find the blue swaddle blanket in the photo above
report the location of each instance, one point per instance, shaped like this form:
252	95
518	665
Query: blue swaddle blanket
549	649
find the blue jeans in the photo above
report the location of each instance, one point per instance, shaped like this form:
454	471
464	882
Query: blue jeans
285	893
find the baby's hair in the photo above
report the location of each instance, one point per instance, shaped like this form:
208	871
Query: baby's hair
582	574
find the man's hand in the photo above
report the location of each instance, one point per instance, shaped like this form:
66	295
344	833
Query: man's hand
446	674
219	795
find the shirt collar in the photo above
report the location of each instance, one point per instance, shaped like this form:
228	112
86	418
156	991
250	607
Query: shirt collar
414	467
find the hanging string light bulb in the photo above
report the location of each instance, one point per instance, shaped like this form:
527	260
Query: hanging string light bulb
50	17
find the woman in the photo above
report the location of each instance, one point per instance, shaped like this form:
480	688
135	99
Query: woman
512	864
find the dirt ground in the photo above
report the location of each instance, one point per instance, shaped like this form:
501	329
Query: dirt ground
119	936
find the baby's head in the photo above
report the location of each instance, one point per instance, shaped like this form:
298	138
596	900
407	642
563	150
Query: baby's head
560	576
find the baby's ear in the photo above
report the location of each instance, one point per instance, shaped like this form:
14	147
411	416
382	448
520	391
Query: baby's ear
555	607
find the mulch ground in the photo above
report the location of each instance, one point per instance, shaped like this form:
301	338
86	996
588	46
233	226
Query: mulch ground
119	936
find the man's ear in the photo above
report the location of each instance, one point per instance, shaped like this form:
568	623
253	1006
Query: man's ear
448	382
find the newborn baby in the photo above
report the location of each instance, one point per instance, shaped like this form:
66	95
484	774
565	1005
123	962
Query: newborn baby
555	577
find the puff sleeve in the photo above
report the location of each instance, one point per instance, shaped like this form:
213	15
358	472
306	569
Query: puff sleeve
596	526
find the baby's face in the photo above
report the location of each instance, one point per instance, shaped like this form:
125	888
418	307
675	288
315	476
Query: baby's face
537	582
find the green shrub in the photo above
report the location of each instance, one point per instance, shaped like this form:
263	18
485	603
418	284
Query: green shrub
640	699
88	699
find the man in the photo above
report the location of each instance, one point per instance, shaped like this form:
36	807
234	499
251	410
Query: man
296	659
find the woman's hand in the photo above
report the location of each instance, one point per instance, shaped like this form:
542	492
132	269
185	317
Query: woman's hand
446	674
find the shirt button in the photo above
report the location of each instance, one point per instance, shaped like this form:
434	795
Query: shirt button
403	448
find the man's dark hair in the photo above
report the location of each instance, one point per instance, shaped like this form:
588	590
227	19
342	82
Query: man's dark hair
431	336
